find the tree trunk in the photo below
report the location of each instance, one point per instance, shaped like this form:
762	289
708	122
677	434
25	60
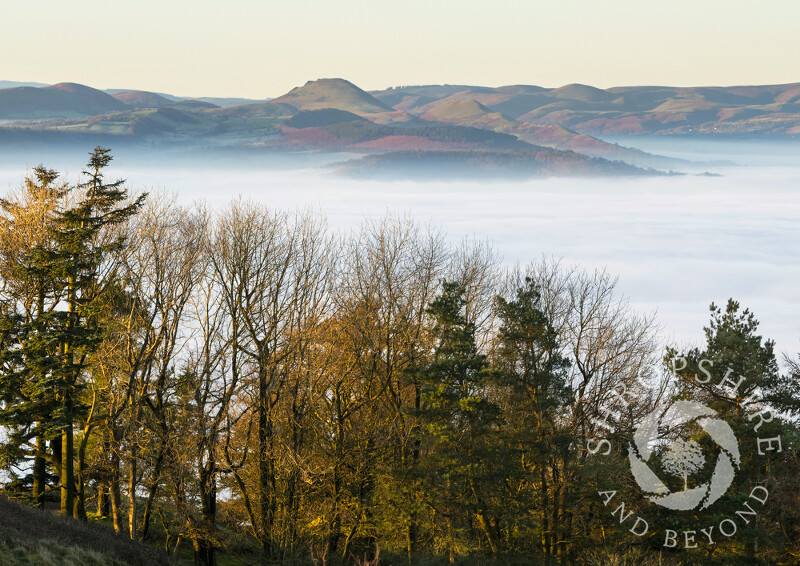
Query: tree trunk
39	472
132	495
67	467
265	468
80	503
335	524
55	459
546	547
482	513
103	501
116	497
204	549
413	531
151	496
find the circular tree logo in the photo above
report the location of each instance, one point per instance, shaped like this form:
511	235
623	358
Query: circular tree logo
684	458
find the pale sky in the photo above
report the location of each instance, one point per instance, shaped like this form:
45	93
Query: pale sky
262	49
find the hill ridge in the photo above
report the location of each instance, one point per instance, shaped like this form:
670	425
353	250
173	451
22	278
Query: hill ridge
339	94
62	100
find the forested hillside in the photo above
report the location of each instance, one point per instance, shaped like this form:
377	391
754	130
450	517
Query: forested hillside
247	383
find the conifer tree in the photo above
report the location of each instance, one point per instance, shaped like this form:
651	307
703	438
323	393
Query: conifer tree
30	297
735	374
535	373
460	423
83	244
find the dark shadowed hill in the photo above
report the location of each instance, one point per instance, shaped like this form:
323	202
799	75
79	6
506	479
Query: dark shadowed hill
319	118
31	536
472	165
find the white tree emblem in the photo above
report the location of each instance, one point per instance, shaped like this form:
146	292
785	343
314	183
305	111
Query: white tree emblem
687	458
683	459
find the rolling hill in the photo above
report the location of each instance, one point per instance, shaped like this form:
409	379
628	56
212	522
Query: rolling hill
334	115
466	112
321	118
142	99
469	112
652	110
64	100
224	102
15	84
471	165
332	93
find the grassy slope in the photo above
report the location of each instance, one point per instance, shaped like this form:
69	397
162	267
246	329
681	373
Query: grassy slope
31	536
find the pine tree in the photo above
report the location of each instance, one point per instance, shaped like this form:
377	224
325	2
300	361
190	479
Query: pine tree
735	374
535	373
460	423
83	245
27	348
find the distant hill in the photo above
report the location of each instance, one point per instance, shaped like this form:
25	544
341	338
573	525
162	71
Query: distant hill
366	137
761	110
652	110
430	91
320	118
225	102
113	91
582	93
468	113
15	84
470	165
269	109
332	93
334	115
161	120
194	104
472	113
64	100
142	99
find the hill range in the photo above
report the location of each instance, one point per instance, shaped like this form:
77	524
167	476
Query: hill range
334	115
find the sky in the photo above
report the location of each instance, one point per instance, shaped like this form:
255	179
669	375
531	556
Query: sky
259	49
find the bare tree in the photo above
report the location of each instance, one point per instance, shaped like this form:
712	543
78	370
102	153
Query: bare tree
274	271
147	332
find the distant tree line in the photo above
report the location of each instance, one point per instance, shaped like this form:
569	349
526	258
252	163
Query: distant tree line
248	381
